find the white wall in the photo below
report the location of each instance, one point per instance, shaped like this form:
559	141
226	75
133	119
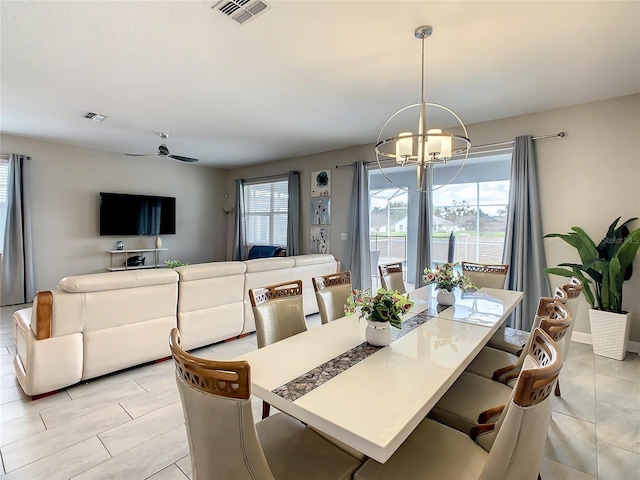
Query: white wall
586	179
65	182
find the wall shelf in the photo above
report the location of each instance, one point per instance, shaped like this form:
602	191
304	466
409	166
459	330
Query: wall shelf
124	255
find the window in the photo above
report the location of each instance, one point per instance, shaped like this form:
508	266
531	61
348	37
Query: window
4	176
266	212
473	206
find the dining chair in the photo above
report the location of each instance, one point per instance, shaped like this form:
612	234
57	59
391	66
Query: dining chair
574	289
474	400
279	314
485	275
511	448
332	292
391	277
513	340
502	366
225	443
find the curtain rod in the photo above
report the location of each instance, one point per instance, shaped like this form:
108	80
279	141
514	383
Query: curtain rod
5	156
267	177
486	145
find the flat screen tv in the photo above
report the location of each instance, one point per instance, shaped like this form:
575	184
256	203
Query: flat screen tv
124	214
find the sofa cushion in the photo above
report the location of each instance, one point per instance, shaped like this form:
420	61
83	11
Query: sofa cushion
201	271
313	259
97	282
265	264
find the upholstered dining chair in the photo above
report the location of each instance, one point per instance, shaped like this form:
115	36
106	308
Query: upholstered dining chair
503	366
509	449
474	400
279	314
332	292
485	275
391	277
225	443
513	340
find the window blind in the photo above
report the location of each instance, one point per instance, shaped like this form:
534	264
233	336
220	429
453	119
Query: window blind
266	212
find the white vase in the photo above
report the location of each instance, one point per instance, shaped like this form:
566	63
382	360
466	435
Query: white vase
158	242
378	333
609	333
445	297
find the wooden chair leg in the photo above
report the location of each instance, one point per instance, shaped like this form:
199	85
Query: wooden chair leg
266	408
557	392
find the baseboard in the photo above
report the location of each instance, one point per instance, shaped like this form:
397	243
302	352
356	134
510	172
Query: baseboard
581	337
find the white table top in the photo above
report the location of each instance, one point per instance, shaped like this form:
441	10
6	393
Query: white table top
374	405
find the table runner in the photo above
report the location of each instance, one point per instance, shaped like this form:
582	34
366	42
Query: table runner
306	382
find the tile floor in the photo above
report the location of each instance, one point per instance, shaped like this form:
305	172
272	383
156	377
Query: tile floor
129	425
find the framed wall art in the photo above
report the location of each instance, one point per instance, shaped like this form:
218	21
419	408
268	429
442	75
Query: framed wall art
320	211
320	238
321	183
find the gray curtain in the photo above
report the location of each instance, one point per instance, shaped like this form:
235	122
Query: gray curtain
293	215
358	255
239	248
423	246
523	248
17	257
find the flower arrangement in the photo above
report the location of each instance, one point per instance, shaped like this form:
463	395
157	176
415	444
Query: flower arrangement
446	278
384	306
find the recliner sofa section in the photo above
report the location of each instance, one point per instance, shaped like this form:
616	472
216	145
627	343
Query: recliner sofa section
93	325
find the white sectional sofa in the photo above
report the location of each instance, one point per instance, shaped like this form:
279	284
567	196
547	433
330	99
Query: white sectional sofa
100	323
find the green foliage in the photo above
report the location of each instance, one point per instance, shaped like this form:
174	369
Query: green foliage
447	278
605	267
384	306
175	263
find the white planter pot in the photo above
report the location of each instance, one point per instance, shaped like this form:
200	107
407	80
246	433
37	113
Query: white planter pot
445	297
378	333
609	333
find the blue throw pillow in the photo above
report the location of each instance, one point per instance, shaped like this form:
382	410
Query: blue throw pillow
261	251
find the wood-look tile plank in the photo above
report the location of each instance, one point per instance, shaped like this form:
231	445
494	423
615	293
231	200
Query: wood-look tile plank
172	472
64	464
42	444
150	401
184	464
20	427
144	428
86	405
22	407
144	460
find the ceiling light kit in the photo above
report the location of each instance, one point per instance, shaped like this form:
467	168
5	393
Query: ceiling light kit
426	146
96	117
163	151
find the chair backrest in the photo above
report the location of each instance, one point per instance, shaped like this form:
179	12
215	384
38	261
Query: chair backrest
332	292
278	311
217	410
486	275
391	277
573	290
548	309
517	441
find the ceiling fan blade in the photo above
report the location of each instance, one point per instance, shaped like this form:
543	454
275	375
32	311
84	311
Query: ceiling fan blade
141	154
183	159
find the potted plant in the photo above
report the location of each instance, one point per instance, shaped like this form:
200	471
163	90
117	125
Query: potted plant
604	269
446	279
381	310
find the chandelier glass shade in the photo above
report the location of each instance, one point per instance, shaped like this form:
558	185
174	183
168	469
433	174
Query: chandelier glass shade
426	146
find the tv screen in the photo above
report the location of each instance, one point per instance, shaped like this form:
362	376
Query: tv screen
123	214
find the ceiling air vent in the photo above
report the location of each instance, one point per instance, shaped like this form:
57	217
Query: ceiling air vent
96	117
240	10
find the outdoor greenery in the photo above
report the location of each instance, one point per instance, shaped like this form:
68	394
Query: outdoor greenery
604	267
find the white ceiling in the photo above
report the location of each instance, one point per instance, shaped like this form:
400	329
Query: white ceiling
303	76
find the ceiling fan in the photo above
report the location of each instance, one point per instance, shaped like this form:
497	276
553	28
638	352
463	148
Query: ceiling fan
163	151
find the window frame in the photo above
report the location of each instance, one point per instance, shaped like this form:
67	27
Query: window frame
272	213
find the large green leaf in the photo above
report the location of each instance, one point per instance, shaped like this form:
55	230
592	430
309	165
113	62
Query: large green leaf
627	251
587	248
615	285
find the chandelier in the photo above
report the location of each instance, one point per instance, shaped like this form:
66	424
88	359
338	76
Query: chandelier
427	145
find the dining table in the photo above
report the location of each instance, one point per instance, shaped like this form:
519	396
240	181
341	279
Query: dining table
371	398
